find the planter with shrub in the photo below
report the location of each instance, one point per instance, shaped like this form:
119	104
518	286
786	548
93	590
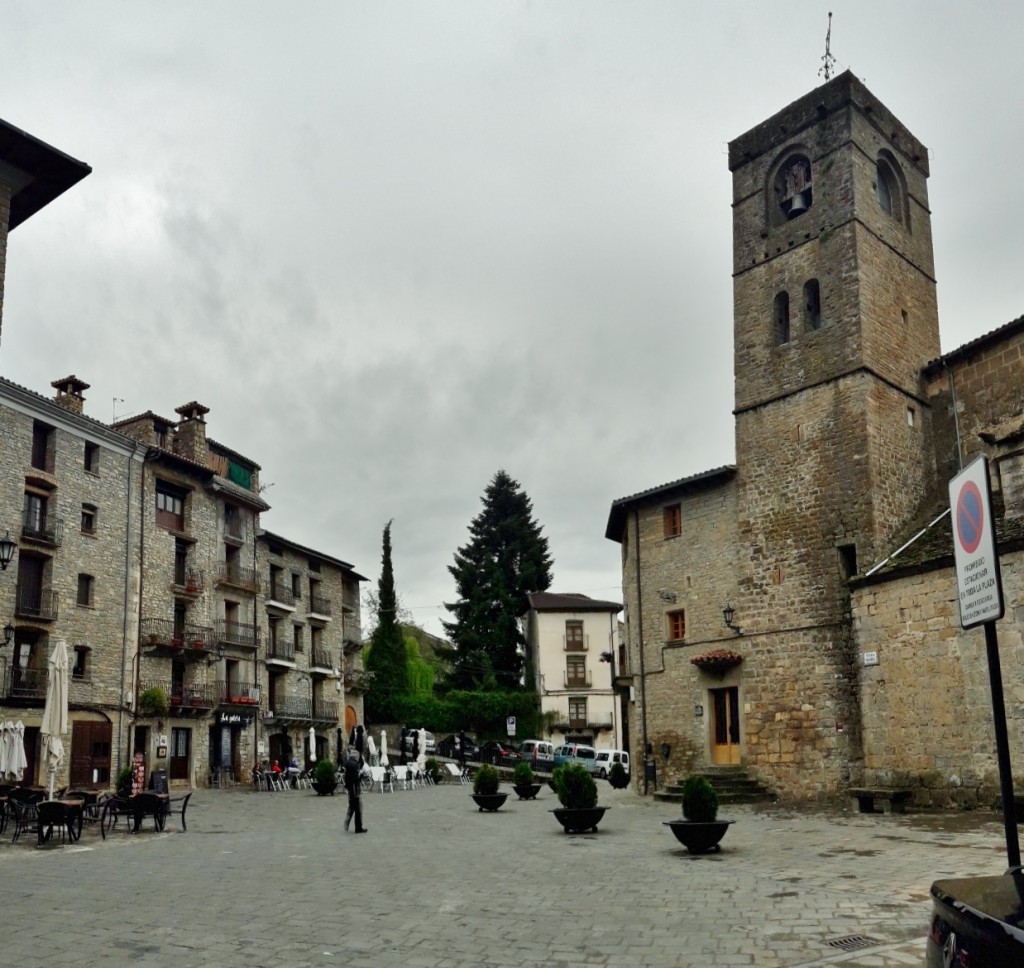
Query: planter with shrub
485	789
618	777
325	781
577	792
700	831
523	782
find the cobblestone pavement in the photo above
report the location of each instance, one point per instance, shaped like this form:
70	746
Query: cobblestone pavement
271	879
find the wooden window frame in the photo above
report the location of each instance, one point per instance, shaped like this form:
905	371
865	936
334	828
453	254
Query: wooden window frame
676	625
170	507
89	519
91	458
672	518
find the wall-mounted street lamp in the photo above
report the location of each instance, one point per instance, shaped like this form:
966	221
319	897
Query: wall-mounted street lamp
7	548
665	750
728	613
8	633
217	655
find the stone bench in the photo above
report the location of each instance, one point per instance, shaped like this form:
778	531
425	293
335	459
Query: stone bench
889	800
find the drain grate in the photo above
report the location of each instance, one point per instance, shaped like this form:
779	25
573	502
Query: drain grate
852	942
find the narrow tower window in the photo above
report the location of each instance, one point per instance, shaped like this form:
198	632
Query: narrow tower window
780	315
812	305
889	188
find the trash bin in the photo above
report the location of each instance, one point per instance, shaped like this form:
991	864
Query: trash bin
651	773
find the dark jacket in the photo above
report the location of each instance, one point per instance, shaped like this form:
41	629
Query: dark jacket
352	779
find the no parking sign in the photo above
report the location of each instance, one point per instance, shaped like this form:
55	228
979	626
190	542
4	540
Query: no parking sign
979	585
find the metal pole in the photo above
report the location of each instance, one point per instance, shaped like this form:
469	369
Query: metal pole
995	678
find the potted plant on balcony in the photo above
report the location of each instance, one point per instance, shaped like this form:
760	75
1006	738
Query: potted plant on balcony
153	702
577	792
700	830
523	782
197	643
485	789
325	780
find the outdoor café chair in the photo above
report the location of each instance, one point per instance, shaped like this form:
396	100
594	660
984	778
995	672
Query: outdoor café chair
24	816
51	814
178	805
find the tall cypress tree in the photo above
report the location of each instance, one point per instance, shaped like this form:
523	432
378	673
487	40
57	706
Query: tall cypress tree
387	659
505	559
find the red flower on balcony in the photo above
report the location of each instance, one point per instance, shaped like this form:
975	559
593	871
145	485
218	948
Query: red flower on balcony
717	660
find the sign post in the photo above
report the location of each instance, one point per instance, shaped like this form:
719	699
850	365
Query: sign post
510	726
980	595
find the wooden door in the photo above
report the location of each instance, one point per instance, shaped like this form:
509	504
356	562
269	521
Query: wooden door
725	726
181	753
90	754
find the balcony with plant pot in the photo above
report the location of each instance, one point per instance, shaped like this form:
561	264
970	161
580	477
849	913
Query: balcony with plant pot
189	582
237	693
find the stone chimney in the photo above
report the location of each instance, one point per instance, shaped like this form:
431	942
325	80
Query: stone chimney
192	432
69	393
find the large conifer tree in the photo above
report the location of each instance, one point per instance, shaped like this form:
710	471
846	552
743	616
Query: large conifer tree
387	658
506	557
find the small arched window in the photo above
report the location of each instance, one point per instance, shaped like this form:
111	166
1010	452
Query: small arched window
889	188
812	305
780	316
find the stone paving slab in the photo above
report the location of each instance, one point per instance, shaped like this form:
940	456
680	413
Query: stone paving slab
272	879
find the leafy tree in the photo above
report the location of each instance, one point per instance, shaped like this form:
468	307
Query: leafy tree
505	559
387	654
421	675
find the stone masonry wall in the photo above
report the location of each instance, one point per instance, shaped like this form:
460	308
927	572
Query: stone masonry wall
927	705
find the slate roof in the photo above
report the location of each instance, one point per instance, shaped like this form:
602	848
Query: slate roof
569	602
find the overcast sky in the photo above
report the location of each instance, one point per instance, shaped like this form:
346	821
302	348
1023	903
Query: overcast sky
396	247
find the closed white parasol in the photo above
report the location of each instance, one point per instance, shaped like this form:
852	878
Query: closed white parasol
55	712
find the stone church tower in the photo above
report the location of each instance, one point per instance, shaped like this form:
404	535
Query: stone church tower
834	318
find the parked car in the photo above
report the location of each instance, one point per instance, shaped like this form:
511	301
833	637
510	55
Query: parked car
499	753
449	746
575	753
604	760
412	742
538	753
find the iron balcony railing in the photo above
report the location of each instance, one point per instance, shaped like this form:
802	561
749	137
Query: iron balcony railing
349	601
44	528
576	681
230	573
325	710
237	633
281	649
280	591
292	707
319	605
320	658
189	579
25	683
182	696
357	680
162	632
37	603
238	693
576	645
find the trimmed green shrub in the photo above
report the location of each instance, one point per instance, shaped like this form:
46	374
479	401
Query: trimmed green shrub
618	777
123	783
575	787
485	780
432	768
522	775
700	802
324	773
153	702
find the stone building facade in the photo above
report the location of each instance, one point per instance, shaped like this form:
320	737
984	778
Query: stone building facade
572	645
845	435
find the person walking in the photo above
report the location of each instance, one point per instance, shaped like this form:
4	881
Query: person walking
353	785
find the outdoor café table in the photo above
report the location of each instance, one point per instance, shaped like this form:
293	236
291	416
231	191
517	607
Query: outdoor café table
155	806
73	819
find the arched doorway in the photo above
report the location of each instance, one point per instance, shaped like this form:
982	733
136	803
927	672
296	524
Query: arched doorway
350	720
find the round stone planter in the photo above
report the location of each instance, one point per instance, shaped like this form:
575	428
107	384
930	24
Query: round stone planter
489	801
325	789
698	837
579	821
527	791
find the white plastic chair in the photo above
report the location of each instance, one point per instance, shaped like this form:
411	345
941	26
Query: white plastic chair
382	778
456	773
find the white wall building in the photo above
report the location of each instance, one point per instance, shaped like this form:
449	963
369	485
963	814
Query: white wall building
572	642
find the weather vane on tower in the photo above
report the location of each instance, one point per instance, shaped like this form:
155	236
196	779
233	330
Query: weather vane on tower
827	61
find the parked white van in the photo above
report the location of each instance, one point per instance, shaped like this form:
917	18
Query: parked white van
538	753
604	760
